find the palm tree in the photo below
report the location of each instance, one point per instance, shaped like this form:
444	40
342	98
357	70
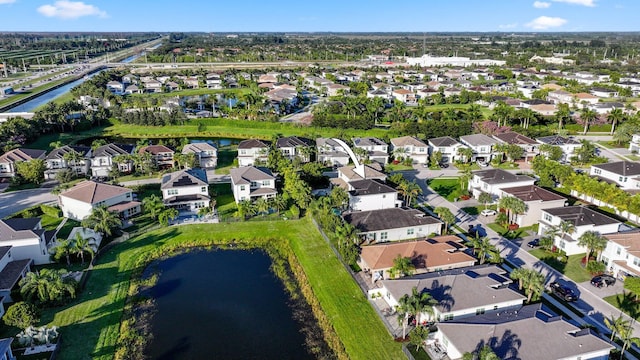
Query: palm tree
626	335
474	112
593	241
465	153
423	303
518	207
566	228
562	114
64	248
402	266
465	177
485	198
534	284
403	309
403	189
153	205
616	116
262	206
446	216
82	245
245	208
615	324
167	216
102	220
73	158
483	247
413	191
588	116
485	353
519	274
47	285
278	202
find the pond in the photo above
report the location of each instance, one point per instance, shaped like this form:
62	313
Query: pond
223	304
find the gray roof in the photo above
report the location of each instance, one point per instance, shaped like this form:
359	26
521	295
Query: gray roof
623	168
110	150
478	140
499	176
394	218
368	141
19	224
22	154
444	141
458	289
513	137
327	141
557	140
528	333
292	141
252	143
532	193
12	272
198	147
182	178
580	216
4	250
247	174
370	187
60	152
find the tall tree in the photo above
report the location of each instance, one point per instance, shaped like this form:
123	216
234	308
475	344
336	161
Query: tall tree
402	266
446	216
587	116
483	248
593	241
102	220
485	199
616	116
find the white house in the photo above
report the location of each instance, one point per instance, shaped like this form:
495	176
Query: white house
634	145
206	154
56	160
567	145
366	195
377	150
622	173
536	199
250	183
293	146
252	150
525	333
27	238
186	190
115	87
482	146
583	219
78	202
447	146
12	271
409	146
161	155
603	92
329	151
103	159
9	159
492	181
393	224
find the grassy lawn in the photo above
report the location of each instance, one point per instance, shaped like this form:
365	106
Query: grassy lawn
25	186
615	299
43	141
419	354
448	188
572	268
65	230
90	324
225	202
226	159
399	167
137	177
515	234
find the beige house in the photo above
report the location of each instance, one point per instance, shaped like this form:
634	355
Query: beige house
536	199
206	154
9	159
78	202
409	146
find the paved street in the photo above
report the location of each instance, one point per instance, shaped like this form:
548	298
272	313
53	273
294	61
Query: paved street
19	200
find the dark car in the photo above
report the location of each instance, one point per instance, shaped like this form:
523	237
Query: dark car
533	243
603	281
563	292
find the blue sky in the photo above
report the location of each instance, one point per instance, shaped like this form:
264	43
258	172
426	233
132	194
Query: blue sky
325	15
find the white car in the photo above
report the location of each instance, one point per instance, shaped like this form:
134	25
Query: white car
487	212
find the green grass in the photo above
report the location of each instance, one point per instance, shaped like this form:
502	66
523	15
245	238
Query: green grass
419	354
515	234
448	188
225	202
399	167
43	141
226	159
25	186
506	166
614	299
475	210
572	268
137	177
65	230
35	91
90	324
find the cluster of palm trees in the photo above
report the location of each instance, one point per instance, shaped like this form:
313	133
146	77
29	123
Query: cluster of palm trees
154	206
262	206
622	328
530	280
554	231
484	250
512	207
79	246
610	194
415	305
409	190
47	286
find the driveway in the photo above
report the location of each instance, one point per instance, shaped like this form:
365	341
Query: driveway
15	201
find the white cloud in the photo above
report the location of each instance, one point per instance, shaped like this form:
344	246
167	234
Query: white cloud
65	9
589	3
541	5
508	26
546	22
7	1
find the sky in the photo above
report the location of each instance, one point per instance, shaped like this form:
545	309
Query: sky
320	16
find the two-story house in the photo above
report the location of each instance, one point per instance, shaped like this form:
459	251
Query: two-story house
78	202
186	190
568	145
528	145
634	144
622	254
447	146
492	181
367	194
74	157
329	151
206	154
161	155
103	159
482	146
411	147
377	150
625	174
583	219
9	159
293	146
12	271
250	183
27	238
393	224
252	150
350	173
535	199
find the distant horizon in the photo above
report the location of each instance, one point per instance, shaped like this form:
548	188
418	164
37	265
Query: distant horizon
332	16
315	32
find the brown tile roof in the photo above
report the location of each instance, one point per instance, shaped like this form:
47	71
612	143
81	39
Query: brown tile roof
532	193
21	154
407	140
252	143
629	240
93	192
155	149
513	137
125	205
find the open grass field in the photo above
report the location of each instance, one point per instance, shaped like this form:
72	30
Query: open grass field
90	324
448	188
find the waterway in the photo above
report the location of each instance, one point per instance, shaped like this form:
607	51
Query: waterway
222	305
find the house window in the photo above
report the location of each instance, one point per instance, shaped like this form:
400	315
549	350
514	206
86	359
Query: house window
172	192
562	244
448	317
243	152
203	189
254	184
384	236
384	196
636	261
619	250
547	217
597	171
128	195
480	311
265	182
410	231
241	187
485	186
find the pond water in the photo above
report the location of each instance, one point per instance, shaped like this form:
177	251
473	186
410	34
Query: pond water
222	305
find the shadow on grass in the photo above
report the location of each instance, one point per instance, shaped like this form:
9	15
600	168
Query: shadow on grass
471	210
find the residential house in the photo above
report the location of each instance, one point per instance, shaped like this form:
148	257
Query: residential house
460	293
393	224
482	146
525	333
377	150
161	155
252	150
622	254
625	174
115	87
350	173
12	271
132	89
584	99
250	183
27	239
634	144
527	144
9	159
103	159
368	194
567	144
191	82
492	181
153	86
411	147
213	81
56	161
78	202
293	146
607	107
544	109
186	190
427	255
603	92
583	219
337	89
206	154
404	95
536	199
379	93
172	86
447	146
560	97
329	151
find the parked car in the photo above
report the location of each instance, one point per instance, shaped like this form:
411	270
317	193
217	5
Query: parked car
533	243
487	212
603	280
563	292
482	163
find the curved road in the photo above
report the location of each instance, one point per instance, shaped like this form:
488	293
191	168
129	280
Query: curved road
15	201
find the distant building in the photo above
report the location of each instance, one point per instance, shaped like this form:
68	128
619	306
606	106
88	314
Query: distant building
433	61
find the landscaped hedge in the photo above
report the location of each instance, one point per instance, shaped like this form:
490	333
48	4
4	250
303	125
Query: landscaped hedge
52	211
